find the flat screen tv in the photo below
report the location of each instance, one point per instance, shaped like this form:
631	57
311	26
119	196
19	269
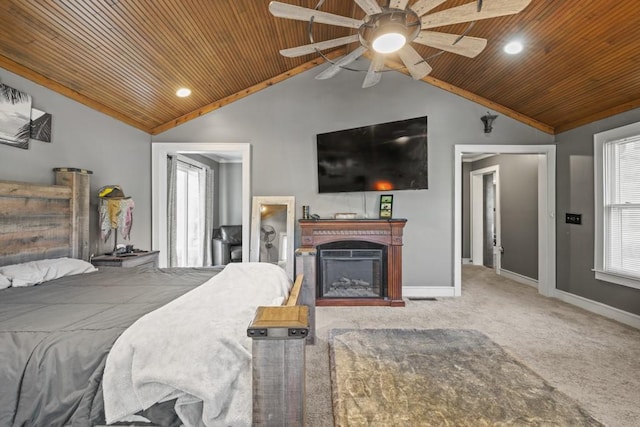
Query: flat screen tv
381	157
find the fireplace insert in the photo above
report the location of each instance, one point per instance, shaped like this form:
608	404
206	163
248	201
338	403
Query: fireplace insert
352	269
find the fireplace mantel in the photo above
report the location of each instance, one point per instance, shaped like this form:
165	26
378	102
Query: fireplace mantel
387	232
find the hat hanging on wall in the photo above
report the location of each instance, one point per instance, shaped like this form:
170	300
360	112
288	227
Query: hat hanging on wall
111	192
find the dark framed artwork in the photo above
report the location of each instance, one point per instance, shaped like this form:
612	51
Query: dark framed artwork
40	125
15	117
386	206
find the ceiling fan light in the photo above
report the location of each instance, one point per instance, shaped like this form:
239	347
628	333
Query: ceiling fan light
389	42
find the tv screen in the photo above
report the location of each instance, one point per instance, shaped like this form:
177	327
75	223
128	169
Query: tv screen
381	157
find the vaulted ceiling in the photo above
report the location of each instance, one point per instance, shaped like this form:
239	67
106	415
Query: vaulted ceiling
127	58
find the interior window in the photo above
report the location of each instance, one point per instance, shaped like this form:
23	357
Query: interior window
617	156
190	214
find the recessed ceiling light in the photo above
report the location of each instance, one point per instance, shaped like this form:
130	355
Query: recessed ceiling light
513	47
183	92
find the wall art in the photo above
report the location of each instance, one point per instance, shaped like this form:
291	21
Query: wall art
40	125
15	117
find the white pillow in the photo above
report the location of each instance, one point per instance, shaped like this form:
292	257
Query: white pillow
5	282
34	272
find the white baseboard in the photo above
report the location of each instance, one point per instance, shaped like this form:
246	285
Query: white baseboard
621	316
616	314
427	291
466	261
519	278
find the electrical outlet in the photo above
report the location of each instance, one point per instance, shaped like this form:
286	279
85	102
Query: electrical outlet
572	218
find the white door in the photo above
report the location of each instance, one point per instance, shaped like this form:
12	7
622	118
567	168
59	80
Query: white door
485	218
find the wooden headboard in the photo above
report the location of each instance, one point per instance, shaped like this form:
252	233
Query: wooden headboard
45	221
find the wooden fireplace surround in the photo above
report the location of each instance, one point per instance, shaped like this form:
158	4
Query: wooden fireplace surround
387	232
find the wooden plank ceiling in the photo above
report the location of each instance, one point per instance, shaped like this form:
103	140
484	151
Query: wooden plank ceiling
127	58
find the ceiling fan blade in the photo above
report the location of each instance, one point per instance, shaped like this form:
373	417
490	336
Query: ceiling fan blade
398	4
292	52
373	75
342	62
466	46
417	66
283	10
370	7
423	6
469	12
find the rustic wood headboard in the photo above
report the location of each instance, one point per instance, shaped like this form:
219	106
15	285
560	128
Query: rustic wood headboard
45	221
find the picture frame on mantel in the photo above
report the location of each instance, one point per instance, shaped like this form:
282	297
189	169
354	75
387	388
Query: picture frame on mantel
386	206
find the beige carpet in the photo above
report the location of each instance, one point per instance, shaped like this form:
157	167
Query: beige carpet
593	360
439	377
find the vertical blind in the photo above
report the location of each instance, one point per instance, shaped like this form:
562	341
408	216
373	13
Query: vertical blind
622	207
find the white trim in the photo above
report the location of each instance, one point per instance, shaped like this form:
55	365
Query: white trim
617	279
547	221
159	152
546	210
607	311
477	214
467	261
519	278
427	291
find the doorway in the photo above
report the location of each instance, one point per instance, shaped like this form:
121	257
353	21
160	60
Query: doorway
484	218
546	209
159	153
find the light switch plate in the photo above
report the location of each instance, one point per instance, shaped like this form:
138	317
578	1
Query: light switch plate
572	218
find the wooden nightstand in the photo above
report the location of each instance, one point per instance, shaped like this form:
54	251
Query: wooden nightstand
133	259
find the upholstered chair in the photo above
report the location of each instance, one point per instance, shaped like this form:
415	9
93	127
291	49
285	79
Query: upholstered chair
227	244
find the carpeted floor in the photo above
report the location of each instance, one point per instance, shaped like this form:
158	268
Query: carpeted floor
439	377
591	359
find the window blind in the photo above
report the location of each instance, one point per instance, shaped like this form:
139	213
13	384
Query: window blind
622	207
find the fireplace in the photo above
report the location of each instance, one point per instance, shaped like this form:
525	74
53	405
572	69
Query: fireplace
358	261
352	269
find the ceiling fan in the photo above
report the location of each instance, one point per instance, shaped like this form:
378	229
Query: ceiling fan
389	29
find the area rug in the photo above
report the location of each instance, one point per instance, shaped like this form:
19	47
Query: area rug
439	377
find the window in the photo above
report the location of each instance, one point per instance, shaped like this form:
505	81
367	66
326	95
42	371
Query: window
617	232
190	214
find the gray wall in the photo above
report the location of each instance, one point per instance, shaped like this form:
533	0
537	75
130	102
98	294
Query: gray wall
575	194
230	193
281	123
84	138
518	210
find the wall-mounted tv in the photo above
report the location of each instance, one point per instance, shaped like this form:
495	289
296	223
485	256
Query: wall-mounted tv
380	157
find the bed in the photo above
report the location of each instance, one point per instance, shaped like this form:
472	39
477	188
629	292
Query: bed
140	345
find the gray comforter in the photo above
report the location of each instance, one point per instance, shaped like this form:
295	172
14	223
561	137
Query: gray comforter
54	339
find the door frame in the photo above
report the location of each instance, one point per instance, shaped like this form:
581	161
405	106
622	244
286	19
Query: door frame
476	235
159	152
546	210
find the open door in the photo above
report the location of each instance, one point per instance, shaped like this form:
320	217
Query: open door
485	217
